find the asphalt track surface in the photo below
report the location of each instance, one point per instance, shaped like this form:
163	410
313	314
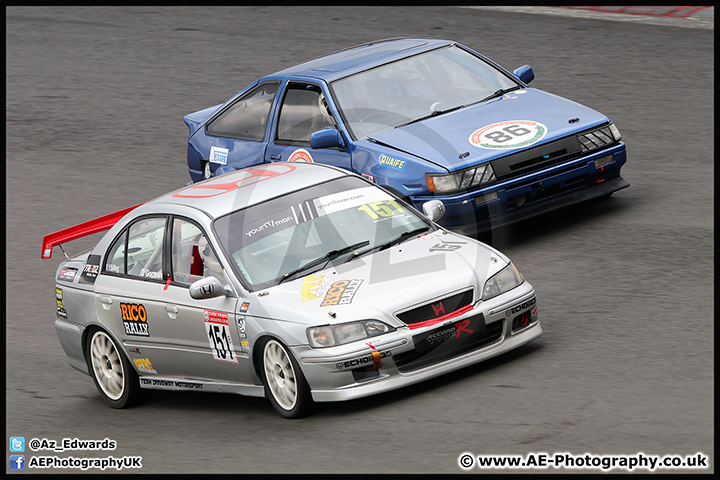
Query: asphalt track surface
94	105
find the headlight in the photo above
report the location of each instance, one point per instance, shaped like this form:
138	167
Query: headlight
599	138
503	281
332	335
462	180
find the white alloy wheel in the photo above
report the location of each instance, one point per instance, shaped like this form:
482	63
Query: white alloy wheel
280	375
107	366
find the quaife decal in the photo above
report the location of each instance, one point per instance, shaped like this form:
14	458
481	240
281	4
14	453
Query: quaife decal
144	366
219	155
392	162
300	155
134	318
507	135
218	332
91	269
341	292
61	313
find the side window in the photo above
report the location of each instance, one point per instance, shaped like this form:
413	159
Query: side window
247	118
115	262
145	248
192	257
304	111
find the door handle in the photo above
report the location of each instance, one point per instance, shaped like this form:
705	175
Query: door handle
275	156
106	300
171	309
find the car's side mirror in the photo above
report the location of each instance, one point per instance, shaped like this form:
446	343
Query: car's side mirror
327	138
209	287
524	73
434	209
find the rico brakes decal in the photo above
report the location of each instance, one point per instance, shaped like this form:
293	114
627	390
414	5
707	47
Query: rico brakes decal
507	135
341	292
134	317
218	331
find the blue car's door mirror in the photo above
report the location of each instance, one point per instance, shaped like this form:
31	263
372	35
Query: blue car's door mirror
524	73
327	138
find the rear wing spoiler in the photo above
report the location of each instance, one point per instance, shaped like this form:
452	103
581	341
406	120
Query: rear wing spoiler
82	230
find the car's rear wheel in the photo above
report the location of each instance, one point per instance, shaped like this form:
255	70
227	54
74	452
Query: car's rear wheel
285	384
114	377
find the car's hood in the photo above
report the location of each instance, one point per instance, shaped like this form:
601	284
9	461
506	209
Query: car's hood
445	139
378	285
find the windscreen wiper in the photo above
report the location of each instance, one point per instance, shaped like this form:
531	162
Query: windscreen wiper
496	93
399	239
434	113
331	255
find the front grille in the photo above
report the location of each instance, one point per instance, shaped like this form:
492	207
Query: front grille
552	153
413	360
437	309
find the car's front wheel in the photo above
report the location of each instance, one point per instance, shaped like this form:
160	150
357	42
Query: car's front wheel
114	378
285	384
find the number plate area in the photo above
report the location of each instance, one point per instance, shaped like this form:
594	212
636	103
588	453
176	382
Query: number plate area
448	341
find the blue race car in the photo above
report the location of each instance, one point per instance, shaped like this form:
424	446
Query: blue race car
427	119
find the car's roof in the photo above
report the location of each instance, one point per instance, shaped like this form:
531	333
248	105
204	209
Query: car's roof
220	195
360	57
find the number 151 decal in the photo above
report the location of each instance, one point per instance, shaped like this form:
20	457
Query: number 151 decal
218	332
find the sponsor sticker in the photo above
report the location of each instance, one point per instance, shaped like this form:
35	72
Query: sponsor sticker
67	274
61	313
144	365
91	269
508	135
218	332
521	306
134	317
300	155
373	358
341	292
392	162
311	287
336	202
219	155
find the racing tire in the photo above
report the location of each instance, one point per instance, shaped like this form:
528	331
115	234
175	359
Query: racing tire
116	380
285	384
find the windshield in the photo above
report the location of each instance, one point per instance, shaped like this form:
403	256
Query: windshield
302	232
411	88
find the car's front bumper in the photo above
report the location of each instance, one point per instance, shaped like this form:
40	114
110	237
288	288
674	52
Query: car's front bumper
359	373
532	194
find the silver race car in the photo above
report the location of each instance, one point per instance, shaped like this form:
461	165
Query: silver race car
300	282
